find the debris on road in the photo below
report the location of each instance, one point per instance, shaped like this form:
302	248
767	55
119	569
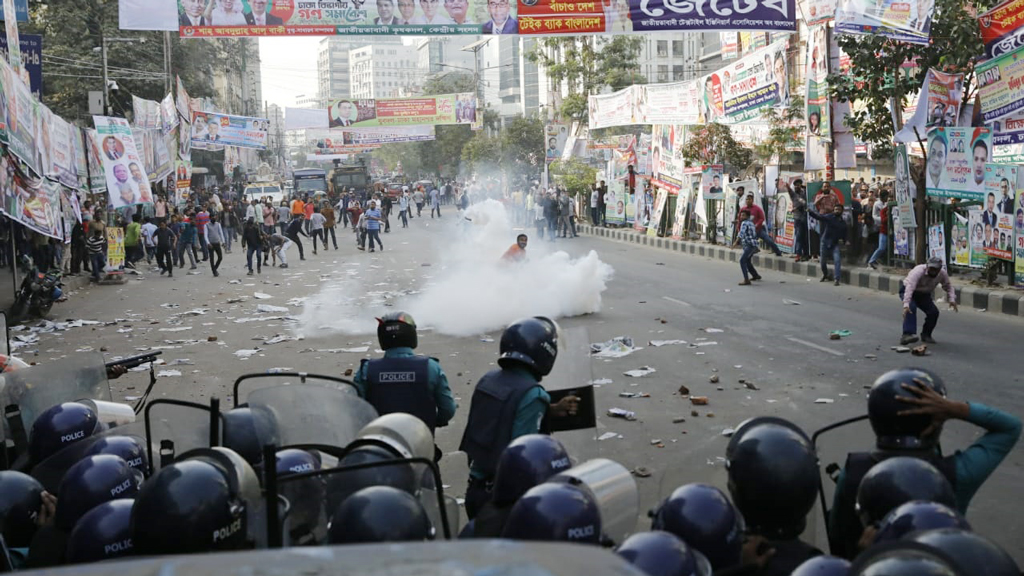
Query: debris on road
694	413
712	330
921	350
261	296
247	353
615	348
267	308
824	401
678	420
834	336
640	372
657	343
608	436
656	441
713	379
871	356
641	472
278	338
168	373
622	413
600	381
706	343
211	338
790	302
751	386
348	372
901	349
684	390
699	400
634	395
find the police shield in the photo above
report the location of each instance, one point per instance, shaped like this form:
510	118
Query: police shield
615	491
572	375
305	414
174	427
245	384
5	336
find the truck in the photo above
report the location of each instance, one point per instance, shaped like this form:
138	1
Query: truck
354	176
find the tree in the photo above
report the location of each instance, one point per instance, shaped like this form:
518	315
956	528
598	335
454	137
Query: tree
522	147
783	132
714	144
576	176
878	78
481	153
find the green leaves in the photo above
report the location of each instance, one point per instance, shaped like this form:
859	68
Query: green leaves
714	144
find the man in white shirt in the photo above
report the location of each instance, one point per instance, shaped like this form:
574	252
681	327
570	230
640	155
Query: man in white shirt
594	193
385	13
148	240
430	15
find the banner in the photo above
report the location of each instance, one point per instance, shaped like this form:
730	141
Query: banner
711	182
31	200
211	128
147	113
739	91
659	209
938	105
998	234
643	203
185	141
183	182
555	135
182	101
21	118
616	201
324	143
956	162
377	136
442	109
672	103
904	21
1001	28
981	235
937	243
818	11
59	135
1018	232
666	152
148	15
115	249
643	155
730	43
1001	85
31	46
615	109
904	199
961	243
903	243
1000	185
127	183
819	119
97	176
679	218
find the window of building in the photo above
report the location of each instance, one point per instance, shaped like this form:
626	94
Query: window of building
662	72
662	48
678	72
677	47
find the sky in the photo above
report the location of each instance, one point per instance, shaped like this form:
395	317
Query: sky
288	68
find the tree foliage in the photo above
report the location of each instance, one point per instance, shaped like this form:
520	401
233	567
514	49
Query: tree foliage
574	175
784	131
517	152
714	144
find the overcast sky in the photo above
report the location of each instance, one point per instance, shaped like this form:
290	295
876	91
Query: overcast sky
288	67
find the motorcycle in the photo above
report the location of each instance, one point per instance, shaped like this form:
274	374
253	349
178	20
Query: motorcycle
37	293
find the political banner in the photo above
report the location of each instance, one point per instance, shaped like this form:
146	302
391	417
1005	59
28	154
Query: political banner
659	209
81	157
616	200
211	128
168	114
904	199
937	243
555	134
730	43
1018	233
182	101
303	118
183	174
711	182
115	249
1007	132
127	183
612	142
71	212
961	251
938	105
97	176
643	203
816	101
31	59
1001	28
1001	85
956	162
672	103
146	113
185	141
1000	185
643	155
979	237
741	90
323	143
818	11
666	152
33	201
377	136
60	137
999	237
682	207
21	117
442	109
903	241
615	109
909	22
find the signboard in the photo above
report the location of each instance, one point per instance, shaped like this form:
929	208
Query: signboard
1018	232
127	182
937	243
904	21
555	135
212	128
1001	28
32	201
956	162
20	11
961	250
31	59
979	238
372	136
1001	85
442	109
711	182
739	91
937	105
672	103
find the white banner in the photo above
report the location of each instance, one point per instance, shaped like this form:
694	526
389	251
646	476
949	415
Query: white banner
674	103
148	15
615	109
303	118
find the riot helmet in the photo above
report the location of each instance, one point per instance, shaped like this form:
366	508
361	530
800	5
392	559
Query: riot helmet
245	432
823	566
20	501
396	330
126	447
341	485
903	559
379	514
59	426
893	431
773	476
970	551
103	533
406	435
702	516
917	516
555	512
92	481
530	342
899	480
305	496
206	501
663	554
527	461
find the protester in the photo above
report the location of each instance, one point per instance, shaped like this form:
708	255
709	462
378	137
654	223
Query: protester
214	237
417	197
279	245
748	236
186	236
516	252
824	202
133	242
916	292
316	229
880	215
252	241
403	208
798	198
293	231
201	219
308	209
329	225
149	239
435	202
165	240
832	238
97	247
373	218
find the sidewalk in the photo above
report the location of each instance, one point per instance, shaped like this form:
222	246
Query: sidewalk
1005	301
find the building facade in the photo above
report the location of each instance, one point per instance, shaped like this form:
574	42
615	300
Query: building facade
381	70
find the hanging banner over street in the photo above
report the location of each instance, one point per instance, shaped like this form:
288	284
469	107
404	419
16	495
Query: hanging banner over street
332	143
469	17
819	120
122	164
429	110
375	136
210	128
32	201
1001	85
956	161
904	21
740	91
1001	28
147	113
21	117
938	105
615	109
672	103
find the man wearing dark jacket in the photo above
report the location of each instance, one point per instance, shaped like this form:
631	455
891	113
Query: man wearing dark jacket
833	236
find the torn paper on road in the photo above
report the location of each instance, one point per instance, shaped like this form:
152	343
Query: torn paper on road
657	343
600	381
178	329
640	372
267	308
277	339
168	373
608	436
193	312
248	352
261	296
615	348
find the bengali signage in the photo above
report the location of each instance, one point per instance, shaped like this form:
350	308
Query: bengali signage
1001	85
956	162
741	90
215	129
904	21
1001	28
429	110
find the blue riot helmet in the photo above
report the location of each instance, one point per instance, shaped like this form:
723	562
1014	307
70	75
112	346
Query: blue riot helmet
917	516
305	497
103	533
92	481
527	461
663	554
899	480
970	551
126	447
823	566
245	431
904	559
702	516
893	430
555	512
532	343
59	426
341	485
379	514
20	501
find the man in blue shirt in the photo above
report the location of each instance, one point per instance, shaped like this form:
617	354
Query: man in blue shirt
907	409
373	219
833	236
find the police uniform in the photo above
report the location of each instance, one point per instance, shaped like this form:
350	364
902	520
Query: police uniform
402	381
507	403
966	471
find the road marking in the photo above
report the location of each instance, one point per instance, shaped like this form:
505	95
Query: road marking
680	302
815	346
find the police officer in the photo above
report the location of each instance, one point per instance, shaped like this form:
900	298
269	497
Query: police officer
555	512
907	409
24	508
379	514
510	402
702	516
663	554
916	517
402	381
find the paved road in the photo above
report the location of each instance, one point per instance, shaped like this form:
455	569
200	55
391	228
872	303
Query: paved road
744	333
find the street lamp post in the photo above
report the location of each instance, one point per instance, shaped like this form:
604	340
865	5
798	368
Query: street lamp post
106	76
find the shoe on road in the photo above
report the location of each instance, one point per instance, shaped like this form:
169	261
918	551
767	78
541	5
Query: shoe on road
755	278
927	339
249	273
908	339
824	278
284	265
837	283
744	283
873	265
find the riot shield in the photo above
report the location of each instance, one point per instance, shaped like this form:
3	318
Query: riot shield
573	374
832	443
247	383
308	414
49	472
32	390
174	427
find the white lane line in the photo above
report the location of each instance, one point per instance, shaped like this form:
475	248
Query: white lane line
680	302
815	346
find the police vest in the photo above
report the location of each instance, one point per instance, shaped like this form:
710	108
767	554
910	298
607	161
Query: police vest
848	529
492	414
401	385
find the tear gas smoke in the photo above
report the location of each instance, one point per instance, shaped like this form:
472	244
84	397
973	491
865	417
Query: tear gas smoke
472	291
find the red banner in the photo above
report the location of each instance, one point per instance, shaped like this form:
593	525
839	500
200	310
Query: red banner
1000	28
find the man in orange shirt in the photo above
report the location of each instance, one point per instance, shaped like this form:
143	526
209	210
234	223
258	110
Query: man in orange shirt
297	207
307	211
516	252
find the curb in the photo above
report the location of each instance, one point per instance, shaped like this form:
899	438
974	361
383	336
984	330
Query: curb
1009	303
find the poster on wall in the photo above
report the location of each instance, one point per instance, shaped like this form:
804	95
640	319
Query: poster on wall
659	208
904	199
979	237
1018	233
679	218
1000	181
938	104
956	162
961	249
711	182
615	202
816	101
555	135
937	243
909	22
998	236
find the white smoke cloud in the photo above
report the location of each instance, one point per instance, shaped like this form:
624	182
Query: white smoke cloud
471	290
